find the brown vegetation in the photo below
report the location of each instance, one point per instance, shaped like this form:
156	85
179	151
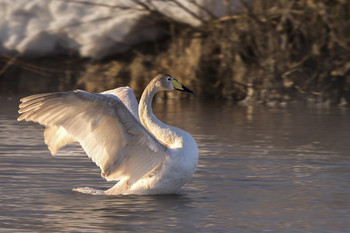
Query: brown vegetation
273	51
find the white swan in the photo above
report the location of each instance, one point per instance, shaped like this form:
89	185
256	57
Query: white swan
125	140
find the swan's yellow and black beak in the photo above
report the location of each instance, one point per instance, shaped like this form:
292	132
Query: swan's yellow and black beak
178	86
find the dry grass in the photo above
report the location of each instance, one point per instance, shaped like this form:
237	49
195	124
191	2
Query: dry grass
272	51
279	50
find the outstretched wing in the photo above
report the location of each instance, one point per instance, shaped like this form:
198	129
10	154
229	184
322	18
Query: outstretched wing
57	137
108	132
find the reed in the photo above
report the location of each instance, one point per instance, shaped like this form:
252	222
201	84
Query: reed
273	50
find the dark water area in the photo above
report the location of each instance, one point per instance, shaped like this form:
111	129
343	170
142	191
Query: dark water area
260	170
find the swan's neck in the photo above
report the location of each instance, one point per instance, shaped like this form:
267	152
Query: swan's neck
164	133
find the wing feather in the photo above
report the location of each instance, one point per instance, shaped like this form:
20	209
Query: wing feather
127	96
107	130
56	137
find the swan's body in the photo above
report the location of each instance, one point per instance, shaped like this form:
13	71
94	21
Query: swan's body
124	139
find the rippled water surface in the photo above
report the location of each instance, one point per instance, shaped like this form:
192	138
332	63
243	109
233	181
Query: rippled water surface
260	169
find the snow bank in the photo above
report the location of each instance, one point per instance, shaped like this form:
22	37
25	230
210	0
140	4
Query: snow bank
96	30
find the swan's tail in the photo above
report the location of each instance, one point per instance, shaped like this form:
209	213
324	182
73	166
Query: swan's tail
90	191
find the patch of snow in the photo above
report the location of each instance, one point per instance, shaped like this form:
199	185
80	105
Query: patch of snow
93	29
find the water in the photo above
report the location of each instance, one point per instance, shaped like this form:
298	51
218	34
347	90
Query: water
260	169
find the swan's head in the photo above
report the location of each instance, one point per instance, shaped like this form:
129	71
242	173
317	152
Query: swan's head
167	82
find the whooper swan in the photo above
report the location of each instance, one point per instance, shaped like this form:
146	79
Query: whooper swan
128	143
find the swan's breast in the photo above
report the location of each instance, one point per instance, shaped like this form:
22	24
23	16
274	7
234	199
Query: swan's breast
183	161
